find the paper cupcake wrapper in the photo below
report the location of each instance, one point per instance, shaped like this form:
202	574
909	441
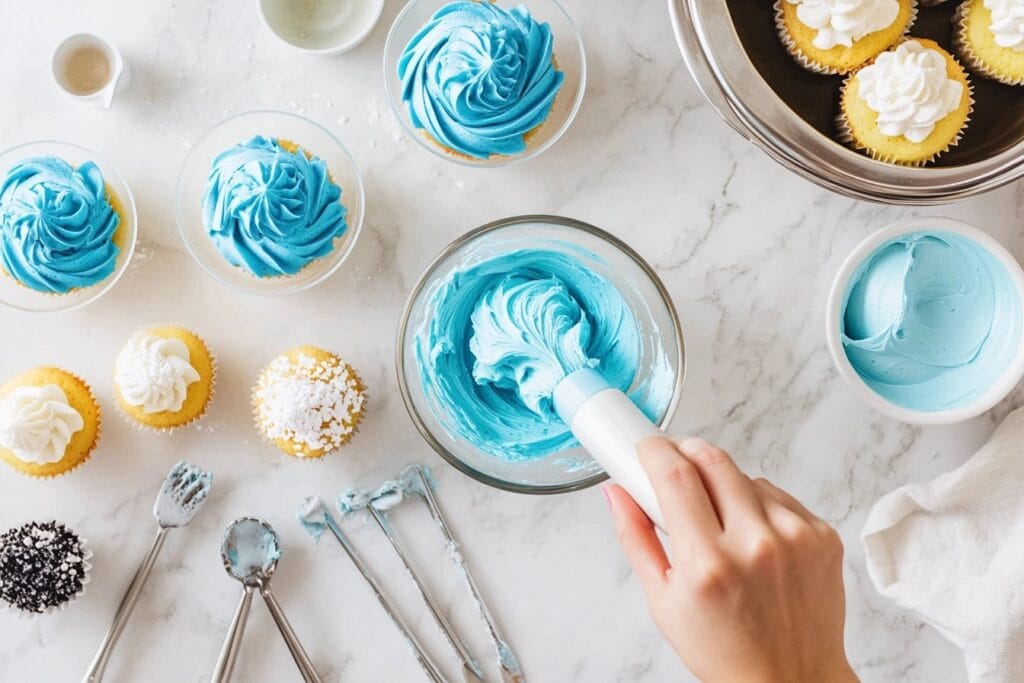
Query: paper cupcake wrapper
145	428
9	608
92	449
967	53
846	135
806	62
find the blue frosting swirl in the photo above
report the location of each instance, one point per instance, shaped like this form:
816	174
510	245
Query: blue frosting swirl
271	209
504	331
931	320
477	78
57	225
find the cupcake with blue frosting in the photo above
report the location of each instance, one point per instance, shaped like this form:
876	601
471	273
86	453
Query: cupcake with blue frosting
479	80
61	227
272	208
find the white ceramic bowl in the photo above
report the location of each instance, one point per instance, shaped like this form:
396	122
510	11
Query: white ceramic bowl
320	27
23	298
1003	385
192	184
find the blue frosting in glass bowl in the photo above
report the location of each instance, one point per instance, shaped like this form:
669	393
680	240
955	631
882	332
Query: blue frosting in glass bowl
271	208
57	225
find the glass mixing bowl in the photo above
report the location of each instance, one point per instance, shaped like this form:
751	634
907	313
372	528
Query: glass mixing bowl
26	299
569	58
279	125
662	343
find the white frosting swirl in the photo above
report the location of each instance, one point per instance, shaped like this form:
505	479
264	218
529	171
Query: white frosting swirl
154	372
840	22
1007	23
36	423
909	90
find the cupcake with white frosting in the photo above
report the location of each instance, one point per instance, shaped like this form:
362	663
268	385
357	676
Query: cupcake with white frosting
837	36
908	106
164	377
308	402
49	422
989	37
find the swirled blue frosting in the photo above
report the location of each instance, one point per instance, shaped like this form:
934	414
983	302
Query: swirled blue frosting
271	210
931	320
477	77
56	225
504	331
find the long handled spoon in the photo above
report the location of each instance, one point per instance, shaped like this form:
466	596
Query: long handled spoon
508	663
315	517
250	553
183	492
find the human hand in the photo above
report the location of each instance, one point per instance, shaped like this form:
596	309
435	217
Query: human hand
750	588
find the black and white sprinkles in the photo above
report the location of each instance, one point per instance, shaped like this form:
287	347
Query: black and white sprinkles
42	565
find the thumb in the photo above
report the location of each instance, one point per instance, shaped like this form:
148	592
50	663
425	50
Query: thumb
639	540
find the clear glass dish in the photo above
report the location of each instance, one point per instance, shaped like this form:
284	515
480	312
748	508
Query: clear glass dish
568	53
24	298
279	125
566	470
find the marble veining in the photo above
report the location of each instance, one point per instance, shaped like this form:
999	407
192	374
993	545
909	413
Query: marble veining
746	249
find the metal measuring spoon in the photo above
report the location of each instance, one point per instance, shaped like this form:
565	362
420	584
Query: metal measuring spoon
250	552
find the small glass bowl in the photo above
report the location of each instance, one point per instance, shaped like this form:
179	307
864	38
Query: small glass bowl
662	342
568	53
25	298
279	125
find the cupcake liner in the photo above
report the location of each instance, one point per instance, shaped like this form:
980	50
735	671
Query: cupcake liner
88	454
845	133
966	52
145	428
9	608
806	62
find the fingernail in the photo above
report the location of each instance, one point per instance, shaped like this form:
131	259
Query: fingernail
607	496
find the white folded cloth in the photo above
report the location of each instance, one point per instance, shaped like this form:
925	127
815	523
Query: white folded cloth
952	550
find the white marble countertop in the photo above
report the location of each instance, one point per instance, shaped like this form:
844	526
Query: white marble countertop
746	249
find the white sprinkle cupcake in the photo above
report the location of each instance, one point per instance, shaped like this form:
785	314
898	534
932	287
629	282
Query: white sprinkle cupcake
308	402
44	566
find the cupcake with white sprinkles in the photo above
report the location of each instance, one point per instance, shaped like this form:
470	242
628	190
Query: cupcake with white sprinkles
309	402
43	566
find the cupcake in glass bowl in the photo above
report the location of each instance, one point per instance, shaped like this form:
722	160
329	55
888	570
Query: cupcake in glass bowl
67	226
484	83
269	203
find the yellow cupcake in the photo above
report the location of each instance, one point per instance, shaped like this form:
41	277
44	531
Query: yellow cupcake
977	23
824	49
164	377
49	422
882	116
308	402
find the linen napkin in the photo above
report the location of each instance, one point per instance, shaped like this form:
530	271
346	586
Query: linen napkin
952	550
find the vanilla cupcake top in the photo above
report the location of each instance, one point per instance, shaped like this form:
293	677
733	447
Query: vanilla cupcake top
841	22
154	372
310	403
37	423
909	89
1007	23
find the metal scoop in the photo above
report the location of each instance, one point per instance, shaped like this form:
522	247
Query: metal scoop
250	552
183	492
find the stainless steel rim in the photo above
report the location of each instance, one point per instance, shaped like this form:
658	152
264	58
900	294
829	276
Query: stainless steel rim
730	82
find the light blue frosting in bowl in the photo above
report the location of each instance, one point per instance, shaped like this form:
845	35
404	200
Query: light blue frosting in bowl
478	77
270	210
56	225
931	320
502	332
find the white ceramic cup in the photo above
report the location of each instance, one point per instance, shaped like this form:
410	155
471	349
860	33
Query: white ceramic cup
320	27
89	69
833	317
